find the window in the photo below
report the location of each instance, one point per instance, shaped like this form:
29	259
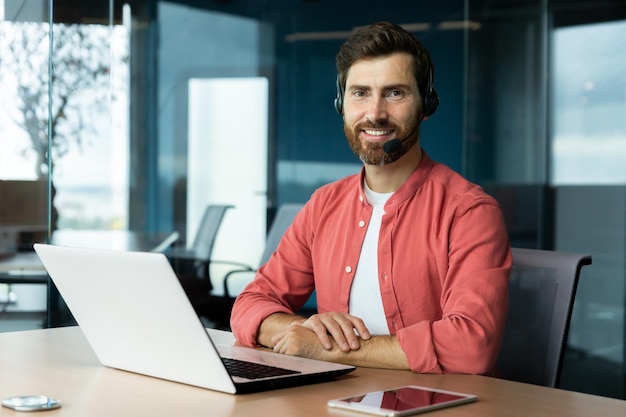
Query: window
589	104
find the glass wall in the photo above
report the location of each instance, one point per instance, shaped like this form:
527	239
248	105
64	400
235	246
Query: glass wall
587	149
25	188
156	109
545	134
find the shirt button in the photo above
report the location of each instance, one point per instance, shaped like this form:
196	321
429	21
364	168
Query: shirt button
348	269
362	223
361	198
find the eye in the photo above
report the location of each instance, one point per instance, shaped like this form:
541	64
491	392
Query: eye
358	94
396	94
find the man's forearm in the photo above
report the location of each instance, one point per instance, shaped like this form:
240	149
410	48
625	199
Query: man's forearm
377	352
274	324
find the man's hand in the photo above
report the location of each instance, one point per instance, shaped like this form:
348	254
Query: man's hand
337	327
327	336
329	328
297	340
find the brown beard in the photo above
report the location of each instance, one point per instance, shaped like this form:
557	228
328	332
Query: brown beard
371	153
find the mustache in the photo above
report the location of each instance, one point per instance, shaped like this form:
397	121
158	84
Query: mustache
370	125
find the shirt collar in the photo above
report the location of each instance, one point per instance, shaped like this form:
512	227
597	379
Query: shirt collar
411	185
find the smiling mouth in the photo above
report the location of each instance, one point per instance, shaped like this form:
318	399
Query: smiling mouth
377	132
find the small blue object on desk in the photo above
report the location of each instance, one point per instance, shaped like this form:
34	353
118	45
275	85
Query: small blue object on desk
31	403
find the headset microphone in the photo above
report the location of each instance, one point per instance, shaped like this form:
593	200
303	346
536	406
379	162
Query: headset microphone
394	145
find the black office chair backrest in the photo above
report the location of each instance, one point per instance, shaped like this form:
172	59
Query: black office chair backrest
282	220
207	231
541	296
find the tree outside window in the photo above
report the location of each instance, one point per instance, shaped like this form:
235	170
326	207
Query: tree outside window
82	105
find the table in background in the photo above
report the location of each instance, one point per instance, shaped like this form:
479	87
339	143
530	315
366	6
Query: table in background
28	263
21	264
59	363
25	301
108	239
25	268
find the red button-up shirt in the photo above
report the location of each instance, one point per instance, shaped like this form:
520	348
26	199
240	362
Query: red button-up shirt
443	267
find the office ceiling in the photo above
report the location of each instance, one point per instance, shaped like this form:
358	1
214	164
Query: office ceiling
564	12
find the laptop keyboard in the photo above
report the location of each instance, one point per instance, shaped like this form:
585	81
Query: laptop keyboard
251	370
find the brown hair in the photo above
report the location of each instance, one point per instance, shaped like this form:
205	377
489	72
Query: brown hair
382	39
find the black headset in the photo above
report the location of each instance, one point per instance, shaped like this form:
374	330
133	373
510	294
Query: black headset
431	98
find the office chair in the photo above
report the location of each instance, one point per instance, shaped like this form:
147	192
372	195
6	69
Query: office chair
282	220
214	310
541	296
194	261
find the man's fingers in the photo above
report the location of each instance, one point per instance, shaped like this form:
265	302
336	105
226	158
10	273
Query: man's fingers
340	326
319	328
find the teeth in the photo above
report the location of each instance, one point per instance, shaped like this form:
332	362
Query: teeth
378	132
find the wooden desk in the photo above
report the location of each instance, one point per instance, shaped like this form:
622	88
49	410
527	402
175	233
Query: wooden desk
59	363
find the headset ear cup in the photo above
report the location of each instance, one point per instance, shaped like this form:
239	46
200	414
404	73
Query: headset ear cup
339	104
431	98
339	98
431	102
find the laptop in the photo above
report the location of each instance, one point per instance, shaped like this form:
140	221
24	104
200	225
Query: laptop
137	317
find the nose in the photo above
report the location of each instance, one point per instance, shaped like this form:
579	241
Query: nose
377	109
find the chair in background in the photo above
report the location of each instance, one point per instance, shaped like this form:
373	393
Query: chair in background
282	220
541	297
194	261
192	264
216	312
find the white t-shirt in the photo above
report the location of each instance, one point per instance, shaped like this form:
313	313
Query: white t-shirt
365	299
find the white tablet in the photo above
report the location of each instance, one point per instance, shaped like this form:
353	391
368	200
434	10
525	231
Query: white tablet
402	401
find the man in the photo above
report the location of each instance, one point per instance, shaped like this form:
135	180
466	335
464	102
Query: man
410	261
